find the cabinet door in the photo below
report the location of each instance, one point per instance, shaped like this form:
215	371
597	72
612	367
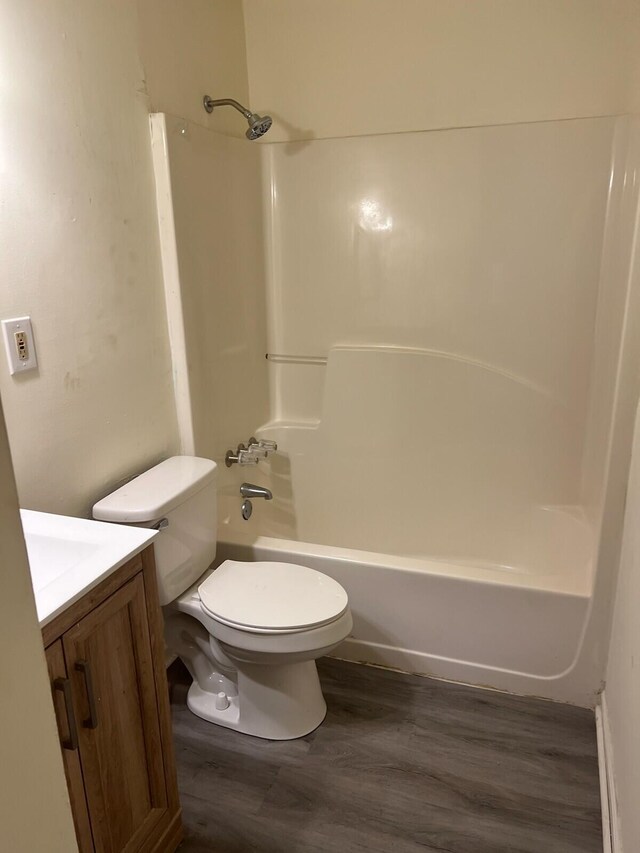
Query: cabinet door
108	655
67	727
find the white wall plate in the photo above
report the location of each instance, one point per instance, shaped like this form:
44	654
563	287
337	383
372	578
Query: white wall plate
19	344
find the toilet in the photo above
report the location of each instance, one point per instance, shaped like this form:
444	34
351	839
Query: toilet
249	633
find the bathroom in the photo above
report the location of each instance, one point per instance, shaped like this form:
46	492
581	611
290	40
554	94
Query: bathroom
422	285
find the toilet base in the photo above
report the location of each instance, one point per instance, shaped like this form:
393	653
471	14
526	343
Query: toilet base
280	702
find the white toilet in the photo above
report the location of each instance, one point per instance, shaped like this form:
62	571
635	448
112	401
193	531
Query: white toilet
249	633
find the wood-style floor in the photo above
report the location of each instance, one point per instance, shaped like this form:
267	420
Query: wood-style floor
401	763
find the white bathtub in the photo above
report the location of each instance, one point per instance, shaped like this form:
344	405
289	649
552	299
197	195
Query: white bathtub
512	628
444	495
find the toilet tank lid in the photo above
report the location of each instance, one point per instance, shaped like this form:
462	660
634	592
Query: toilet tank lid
155	493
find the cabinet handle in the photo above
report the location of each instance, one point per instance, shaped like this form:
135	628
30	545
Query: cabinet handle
84	667
64	686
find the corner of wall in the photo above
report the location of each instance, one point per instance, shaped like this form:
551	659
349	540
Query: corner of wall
34	808
190	49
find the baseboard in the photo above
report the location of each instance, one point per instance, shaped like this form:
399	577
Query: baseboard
610	833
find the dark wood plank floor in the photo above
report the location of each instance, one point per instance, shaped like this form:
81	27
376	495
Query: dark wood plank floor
401	763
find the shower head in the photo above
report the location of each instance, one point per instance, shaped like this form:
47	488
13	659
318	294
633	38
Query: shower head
258	125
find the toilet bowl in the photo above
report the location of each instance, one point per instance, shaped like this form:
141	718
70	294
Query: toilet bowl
249	633
266	623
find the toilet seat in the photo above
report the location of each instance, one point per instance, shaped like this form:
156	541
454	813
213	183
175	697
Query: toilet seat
271	598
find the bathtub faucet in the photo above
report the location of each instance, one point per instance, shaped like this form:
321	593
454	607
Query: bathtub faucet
248	490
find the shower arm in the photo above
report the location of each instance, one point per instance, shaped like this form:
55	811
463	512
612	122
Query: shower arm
210	103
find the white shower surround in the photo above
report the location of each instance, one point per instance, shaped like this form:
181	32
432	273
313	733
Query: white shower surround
501	606
497	592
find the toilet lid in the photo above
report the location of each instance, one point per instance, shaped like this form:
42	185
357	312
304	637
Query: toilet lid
271	596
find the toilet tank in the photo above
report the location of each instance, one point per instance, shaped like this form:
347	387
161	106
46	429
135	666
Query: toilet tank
181	490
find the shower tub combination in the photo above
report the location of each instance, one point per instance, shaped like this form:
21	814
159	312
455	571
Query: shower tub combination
448	463
496	626
456	575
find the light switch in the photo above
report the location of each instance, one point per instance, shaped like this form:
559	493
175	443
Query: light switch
18	342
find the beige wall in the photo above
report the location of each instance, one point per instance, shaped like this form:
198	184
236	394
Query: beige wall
209	196
79	227
34	805
622	692
190	48
614	387
336	68
623	684
80	254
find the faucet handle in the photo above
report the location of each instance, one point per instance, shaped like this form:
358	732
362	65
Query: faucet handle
248	457
257	450
267	445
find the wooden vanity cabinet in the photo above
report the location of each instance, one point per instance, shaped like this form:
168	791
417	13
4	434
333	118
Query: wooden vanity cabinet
105	656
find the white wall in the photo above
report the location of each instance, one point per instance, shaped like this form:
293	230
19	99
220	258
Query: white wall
612	319
480	249
34	804
209	195
615	391
334	68
623	671
448	241
80	253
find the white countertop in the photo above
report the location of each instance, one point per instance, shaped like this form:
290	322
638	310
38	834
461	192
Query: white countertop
69	556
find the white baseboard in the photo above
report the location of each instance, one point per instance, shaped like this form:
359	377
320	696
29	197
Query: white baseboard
610	833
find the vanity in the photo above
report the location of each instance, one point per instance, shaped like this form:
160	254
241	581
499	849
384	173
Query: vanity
97	602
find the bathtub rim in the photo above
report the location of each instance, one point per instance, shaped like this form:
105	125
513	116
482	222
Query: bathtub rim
570	584
567	683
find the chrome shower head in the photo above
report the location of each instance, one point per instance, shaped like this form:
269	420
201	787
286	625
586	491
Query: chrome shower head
258	125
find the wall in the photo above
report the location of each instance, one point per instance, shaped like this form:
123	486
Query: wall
209	205
612	321
428	64
80	254
623	682
621	701
34	805
615	390
192	48
447	241
424	266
